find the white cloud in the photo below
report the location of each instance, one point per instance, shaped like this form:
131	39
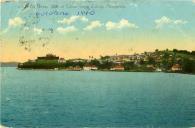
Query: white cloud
162	21
93	25
179	22
165	21
67	29
38	30
17	21
26	28
125	23
122	24
72	19
110	25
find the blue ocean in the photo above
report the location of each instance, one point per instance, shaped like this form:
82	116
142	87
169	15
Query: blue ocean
63	99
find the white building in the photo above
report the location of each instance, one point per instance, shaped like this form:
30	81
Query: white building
61	60
176	67
118	68
89	68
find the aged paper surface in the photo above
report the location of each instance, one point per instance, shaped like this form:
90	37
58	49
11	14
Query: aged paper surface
97	63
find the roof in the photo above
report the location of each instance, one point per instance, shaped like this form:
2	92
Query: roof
176	66
90	66
118	66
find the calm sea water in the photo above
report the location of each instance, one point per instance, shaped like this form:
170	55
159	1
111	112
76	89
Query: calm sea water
60	99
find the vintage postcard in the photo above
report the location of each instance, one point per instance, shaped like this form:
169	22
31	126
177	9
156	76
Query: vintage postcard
97	63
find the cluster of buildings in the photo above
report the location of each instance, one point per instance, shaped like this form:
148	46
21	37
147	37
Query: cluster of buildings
137	59
117	60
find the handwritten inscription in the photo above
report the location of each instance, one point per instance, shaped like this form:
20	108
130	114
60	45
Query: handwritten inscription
52	13
33	11
88	12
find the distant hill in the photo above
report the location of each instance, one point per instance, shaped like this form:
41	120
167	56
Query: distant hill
9	64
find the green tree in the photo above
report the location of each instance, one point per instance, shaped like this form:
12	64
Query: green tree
193	52
151	60
104	57
129	65
94	62
165	61
188	66
106	65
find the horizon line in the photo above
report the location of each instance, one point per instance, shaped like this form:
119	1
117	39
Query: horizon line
116	54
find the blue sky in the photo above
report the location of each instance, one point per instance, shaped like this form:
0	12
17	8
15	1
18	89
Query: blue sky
141	25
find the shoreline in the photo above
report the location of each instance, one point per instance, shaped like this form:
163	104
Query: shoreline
106	71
